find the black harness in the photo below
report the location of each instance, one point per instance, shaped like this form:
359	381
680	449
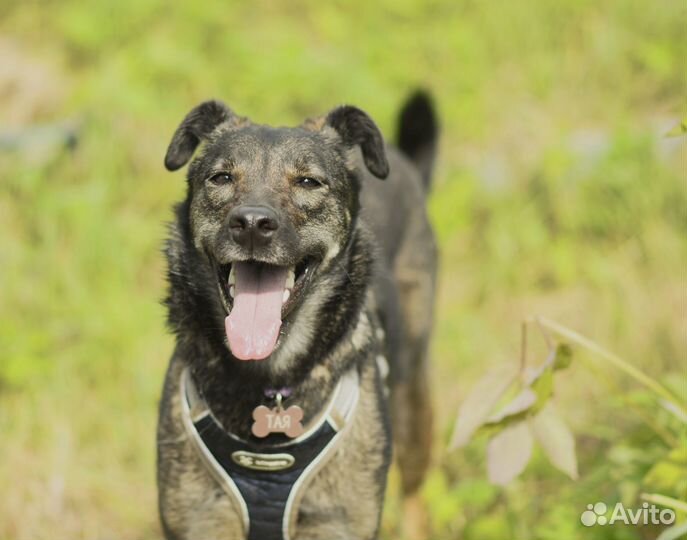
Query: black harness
266	483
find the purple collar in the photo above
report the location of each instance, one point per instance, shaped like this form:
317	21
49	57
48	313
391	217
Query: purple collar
272	393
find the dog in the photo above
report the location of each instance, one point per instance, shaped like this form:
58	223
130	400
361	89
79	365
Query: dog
301	270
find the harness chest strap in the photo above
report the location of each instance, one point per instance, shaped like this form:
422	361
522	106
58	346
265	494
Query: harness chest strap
266	483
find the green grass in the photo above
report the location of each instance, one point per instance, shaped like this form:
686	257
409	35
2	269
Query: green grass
555	194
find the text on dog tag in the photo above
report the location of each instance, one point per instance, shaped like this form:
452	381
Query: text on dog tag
277	420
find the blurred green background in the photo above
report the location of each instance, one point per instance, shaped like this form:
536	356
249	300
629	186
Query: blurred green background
556	193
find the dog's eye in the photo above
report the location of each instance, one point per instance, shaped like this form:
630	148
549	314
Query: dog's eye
221	178
308	182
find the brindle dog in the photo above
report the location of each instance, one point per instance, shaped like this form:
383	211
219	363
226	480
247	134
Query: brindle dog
347	263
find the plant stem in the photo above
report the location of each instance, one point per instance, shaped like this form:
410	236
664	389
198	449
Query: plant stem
618	362
523	347
664	500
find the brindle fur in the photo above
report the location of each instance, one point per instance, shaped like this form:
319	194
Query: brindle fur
376	271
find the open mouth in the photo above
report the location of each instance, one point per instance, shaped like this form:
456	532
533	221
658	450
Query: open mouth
257	297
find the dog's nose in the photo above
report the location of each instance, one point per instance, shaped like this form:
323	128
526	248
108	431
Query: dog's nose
253	226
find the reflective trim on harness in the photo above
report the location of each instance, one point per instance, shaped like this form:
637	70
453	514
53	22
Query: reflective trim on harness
266	483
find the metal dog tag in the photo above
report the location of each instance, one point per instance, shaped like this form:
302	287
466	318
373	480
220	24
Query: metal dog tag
277	420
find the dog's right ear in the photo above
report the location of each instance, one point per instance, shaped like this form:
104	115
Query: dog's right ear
198	125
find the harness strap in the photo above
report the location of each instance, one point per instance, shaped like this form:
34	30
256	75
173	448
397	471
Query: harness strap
266	482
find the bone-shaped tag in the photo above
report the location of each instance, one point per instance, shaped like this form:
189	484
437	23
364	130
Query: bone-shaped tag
277	420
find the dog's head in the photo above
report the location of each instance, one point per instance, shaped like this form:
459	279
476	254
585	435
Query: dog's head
270	210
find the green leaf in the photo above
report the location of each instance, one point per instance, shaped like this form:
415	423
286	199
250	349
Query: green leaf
515	409
508	453
543	386
563	356
669	475
556	440
537	390
479	402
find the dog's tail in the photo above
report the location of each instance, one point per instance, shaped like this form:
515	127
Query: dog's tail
418	133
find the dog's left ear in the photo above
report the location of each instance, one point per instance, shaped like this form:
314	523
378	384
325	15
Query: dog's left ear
197	126
355	127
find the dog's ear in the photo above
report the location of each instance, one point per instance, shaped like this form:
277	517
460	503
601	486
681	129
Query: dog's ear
198	125
355	127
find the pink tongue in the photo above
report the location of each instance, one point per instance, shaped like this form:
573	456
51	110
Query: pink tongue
253	325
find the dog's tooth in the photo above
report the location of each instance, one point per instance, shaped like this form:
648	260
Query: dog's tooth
290	278
232	289
286	295
232	276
